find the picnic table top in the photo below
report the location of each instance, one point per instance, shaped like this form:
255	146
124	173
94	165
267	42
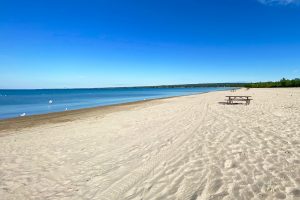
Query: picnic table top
237	96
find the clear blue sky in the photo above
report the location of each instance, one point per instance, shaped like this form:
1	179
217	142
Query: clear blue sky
102	43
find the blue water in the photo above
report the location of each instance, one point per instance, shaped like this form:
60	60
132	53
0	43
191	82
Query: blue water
15	102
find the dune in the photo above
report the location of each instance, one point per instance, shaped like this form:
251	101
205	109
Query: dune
188	148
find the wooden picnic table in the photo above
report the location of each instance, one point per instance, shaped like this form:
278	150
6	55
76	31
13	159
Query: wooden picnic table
232	98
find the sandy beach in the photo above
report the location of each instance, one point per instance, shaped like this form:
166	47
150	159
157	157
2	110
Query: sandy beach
189	148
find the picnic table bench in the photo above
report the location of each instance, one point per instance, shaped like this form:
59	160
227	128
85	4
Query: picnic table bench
231	99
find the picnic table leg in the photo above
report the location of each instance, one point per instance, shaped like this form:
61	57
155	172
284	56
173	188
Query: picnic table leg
229	101
247	102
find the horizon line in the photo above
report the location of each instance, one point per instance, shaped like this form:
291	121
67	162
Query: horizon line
142	86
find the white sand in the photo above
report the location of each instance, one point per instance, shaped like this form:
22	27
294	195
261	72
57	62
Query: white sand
180	148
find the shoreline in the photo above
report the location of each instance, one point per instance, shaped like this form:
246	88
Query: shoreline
70	115
32	109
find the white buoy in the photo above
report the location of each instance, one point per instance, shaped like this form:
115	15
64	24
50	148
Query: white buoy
50	101
66	109
23	114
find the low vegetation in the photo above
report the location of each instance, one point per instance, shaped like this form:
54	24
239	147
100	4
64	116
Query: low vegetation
282	83
271	84
201	85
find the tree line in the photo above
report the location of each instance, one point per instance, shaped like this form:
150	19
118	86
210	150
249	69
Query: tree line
282	83
200	85
271	84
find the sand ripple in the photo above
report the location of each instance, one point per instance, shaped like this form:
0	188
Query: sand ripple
186	148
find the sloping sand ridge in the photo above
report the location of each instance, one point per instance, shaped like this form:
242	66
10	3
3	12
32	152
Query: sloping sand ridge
188	147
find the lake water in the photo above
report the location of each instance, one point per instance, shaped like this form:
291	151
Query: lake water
15	103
